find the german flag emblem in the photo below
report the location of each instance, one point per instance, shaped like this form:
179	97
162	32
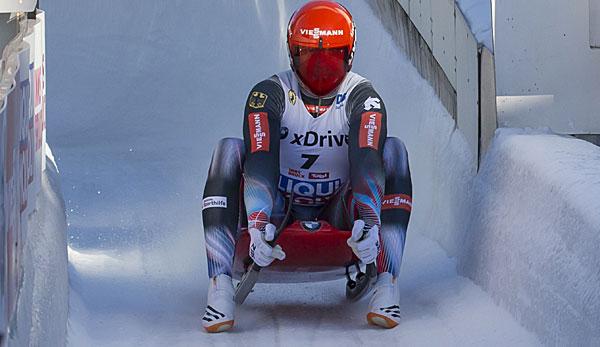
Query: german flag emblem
257	100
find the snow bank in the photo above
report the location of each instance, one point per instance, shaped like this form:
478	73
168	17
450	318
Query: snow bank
535	233
479	16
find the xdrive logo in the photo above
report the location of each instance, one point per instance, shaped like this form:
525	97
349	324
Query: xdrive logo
317	32
309	192
312	139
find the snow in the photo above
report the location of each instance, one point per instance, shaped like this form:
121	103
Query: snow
479	16
439	308
41	316
133	119
536	231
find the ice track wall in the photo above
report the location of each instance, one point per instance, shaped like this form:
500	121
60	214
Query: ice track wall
535	234
530	247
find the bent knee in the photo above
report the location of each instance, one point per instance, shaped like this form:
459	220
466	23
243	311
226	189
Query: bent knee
230	143
228	157
395	157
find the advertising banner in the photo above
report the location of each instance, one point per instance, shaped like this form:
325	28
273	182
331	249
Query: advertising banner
2	225
22	142
39	69
12	203
32	180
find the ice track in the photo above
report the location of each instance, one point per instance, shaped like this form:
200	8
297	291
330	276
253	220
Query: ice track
140	94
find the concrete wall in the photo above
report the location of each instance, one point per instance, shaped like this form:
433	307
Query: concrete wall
594	23
547	73
437	39
488	122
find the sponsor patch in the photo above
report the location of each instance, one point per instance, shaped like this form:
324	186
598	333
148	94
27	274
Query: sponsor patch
318	175
308	193
257	100
311	226
283	133
397	201
370	130
214	201
372	103
295	173
259	132
292	97
314	139
316	33
339	101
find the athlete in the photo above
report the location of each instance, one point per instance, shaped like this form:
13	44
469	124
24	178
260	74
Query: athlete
316	133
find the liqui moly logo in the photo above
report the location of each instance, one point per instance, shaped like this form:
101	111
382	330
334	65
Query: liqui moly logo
259	132
306	192
317	32
370	130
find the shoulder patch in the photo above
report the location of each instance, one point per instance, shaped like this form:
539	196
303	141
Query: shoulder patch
257	100
370	130
372	103
259	132
292	97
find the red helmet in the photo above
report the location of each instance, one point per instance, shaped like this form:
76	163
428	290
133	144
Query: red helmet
321	36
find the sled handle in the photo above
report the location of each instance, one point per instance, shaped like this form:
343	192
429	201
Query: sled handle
250	277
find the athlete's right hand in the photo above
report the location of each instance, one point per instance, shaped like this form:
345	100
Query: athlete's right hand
260	251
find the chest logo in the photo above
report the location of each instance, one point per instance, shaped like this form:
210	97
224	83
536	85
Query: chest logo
313	139
339	101
292	97
372	103
257	100
284	132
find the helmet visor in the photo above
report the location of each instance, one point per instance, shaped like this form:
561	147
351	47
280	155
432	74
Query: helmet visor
320	69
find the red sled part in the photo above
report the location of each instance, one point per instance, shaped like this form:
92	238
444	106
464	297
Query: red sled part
315	251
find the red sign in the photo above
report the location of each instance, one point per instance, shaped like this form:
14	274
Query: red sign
258	125
370	130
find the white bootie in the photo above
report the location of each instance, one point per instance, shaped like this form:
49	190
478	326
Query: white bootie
220	306
383	307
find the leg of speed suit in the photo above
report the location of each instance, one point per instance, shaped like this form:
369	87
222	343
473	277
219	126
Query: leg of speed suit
221	205
396	206
395	212
340	211
223	211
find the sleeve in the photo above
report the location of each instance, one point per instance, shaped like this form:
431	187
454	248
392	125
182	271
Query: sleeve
262	119
368	130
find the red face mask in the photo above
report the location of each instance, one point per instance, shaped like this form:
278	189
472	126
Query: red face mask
320	70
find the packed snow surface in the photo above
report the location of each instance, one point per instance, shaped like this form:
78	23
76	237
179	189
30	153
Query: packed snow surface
537	226
140	94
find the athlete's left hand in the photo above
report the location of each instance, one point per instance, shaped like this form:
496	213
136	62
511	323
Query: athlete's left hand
364	245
